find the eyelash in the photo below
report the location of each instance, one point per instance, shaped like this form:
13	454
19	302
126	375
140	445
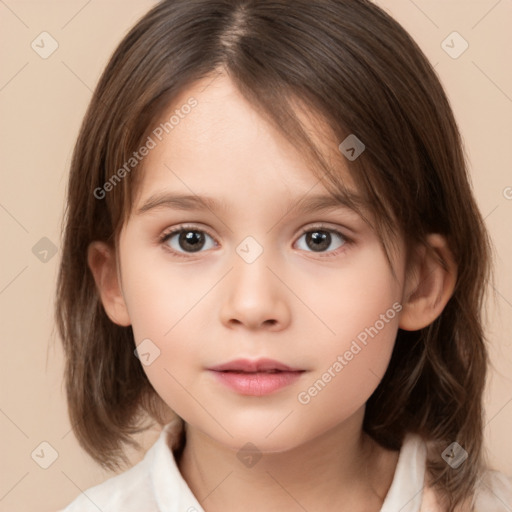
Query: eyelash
166	235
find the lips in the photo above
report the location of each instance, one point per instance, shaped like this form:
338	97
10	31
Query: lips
257	366
256	378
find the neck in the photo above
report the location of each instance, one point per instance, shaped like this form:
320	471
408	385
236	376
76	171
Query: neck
341	469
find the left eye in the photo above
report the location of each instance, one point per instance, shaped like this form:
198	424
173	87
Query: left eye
318	240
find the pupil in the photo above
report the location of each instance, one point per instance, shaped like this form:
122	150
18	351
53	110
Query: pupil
321	240
192	239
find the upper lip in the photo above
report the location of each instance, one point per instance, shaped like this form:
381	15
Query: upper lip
253	366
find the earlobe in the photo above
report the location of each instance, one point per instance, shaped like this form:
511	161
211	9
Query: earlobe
429	284
101	259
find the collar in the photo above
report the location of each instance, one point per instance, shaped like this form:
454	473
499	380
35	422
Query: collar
173	494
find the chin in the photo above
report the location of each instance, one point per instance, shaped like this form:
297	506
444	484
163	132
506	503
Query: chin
258	434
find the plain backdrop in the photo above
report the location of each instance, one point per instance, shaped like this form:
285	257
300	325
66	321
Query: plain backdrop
42	102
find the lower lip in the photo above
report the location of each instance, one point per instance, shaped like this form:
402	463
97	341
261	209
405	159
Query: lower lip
257	384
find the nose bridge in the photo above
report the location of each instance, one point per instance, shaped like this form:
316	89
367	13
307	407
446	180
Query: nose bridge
254	296
252	281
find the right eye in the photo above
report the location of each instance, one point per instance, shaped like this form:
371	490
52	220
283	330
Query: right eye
185	240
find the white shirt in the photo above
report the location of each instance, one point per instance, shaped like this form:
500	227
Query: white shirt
155	484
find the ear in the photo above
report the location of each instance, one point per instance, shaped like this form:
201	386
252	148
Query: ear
101	259
429	284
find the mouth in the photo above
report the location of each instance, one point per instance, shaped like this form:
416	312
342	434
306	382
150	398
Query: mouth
254	366
256	378
262	371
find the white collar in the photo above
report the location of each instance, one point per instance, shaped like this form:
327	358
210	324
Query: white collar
173	494
406	491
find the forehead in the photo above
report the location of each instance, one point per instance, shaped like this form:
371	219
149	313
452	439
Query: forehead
223	147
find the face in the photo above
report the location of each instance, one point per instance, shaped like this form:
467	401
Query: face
255	276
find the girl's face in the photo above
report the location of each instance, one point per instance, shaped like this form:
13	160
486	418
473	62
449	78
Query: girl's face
254	275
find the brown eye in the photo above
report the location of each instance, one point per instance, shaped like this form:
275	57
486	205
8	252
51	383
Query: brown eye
322	240
187	240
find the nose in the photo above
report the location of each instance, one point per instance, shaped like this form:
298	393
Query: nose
254	298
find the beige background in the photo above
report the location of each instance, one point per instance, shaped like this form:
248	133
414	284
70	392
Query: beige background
42	102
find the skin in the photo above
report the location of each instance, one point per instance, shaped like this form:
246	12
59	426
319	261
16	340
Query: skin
292	304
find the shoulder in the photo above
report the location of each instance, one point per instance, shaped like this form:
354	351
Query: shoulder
493	493
127	491
493	490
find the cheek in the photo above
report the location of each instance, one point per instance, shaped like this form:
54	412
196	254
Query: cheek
162	301
353	297
159	294
360	305
350	369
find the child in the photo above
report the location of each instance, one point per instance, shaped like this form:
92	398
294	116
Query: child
272	250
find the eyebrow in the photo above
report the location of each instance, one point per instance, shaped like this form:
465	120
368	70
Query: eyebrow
188	202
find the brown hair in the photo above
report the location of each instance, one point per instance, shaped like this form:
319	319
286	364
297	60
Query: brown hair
351	64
